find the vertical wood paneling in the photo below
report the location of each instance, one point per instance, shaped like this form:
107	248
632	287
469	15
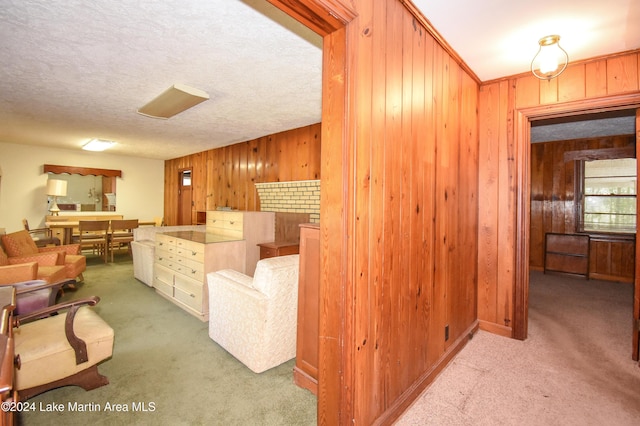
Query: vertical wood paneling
622	74
553	202
604	77
571	83
226	176
492	102
596	79
415	175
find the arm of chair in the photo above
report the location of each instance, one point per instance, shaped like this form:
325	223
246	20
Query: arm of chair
237	277
10	274
43	259
41	231
78	345
67	248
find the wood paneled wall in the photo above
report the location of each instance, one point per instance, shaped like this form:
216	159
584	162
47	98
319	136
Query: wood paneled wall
503	152
411	165
225	177
553	201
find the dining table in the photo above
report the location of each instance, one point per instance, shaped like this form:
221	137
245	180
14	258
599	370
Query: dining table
67	227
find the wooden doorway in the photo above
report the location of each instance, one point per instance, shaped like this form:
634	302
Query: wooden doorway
523	119
185	197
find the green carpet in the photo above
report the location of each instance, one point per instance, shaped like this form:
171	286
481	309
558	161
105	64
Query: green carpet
166	370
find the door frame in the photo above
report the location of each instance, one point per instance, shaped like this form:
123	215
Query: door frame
522	134
179	218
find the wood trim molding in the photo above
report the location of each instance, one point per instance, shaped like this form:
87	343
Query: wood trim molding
522	133
321	16
439	39
601	154
83	171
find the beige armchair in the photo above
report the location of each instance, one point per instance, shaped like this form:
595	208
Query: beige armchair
61	350
255	319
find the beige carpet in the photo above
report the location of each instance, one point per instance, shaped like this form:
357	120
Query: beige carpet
574	369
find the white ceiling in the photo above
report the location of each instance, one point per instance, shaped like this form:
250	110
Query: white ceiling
76	69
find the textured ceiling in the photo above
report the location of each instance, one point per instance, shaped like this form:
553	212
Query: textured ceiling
73	70
77	69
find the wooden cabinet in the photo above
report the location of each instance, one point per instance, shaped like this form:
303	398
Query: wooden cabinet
182	261
305	372
278	249
252	227
567	253
612	257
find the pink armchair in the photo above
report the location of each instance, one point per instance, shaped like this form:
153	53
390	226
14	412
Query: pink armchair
20	244
41	267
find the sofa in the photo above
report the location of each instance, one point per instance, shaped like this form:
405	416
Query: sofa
255	319
143	248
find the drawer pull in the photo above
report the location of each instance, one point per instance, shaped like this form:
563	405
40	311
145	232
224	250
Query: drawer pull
160	258
231	222
192	295
193	271
193	253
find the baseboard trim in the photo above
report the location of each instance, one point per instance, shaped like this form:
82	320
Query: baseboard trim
413	392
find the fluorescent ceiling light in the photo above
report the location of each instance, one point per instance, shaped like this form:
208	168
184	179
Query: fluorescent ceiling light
97	145
173	101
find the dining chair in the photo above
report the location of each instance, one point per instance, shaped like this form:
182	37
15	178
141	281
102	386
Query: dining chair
94	234
121	234
41	236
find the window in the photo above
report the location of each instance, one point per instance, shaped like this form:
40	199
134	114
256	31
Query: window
609	195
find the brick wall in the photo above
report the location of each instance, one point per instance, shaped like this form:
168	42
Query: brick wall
298	197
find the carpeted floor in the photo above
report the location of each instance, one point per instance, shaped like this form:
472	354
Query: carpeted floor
165	363
574	369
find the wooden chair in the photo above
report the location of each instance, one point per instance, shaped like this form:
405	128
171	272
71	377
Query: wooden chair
94	234
121	234
41	236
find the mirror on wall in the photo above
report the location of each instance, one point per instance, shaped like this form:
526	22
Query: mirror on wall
88	189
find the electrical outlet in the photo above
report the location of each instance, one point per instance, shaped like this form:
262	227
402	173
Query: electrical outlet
446	332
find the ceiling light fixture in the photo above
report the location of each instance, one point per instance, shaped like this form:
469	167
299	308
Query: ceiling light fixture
550	60
172	101
98	145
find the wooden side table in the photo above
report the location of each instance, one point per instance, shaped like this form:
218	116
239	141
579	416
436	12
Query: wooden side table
278	248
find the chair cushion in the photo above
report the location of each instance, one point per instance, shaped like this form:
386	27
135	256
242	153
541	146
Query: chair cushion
19	243
52	274
45	353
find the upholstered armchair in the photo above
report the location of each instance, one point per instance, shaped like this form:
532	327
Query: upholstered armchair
255	319
61	350
20	244
41	266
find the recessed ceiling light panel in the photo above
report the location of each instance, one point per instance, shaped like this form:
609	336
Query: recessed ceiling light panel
98	145
174	100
